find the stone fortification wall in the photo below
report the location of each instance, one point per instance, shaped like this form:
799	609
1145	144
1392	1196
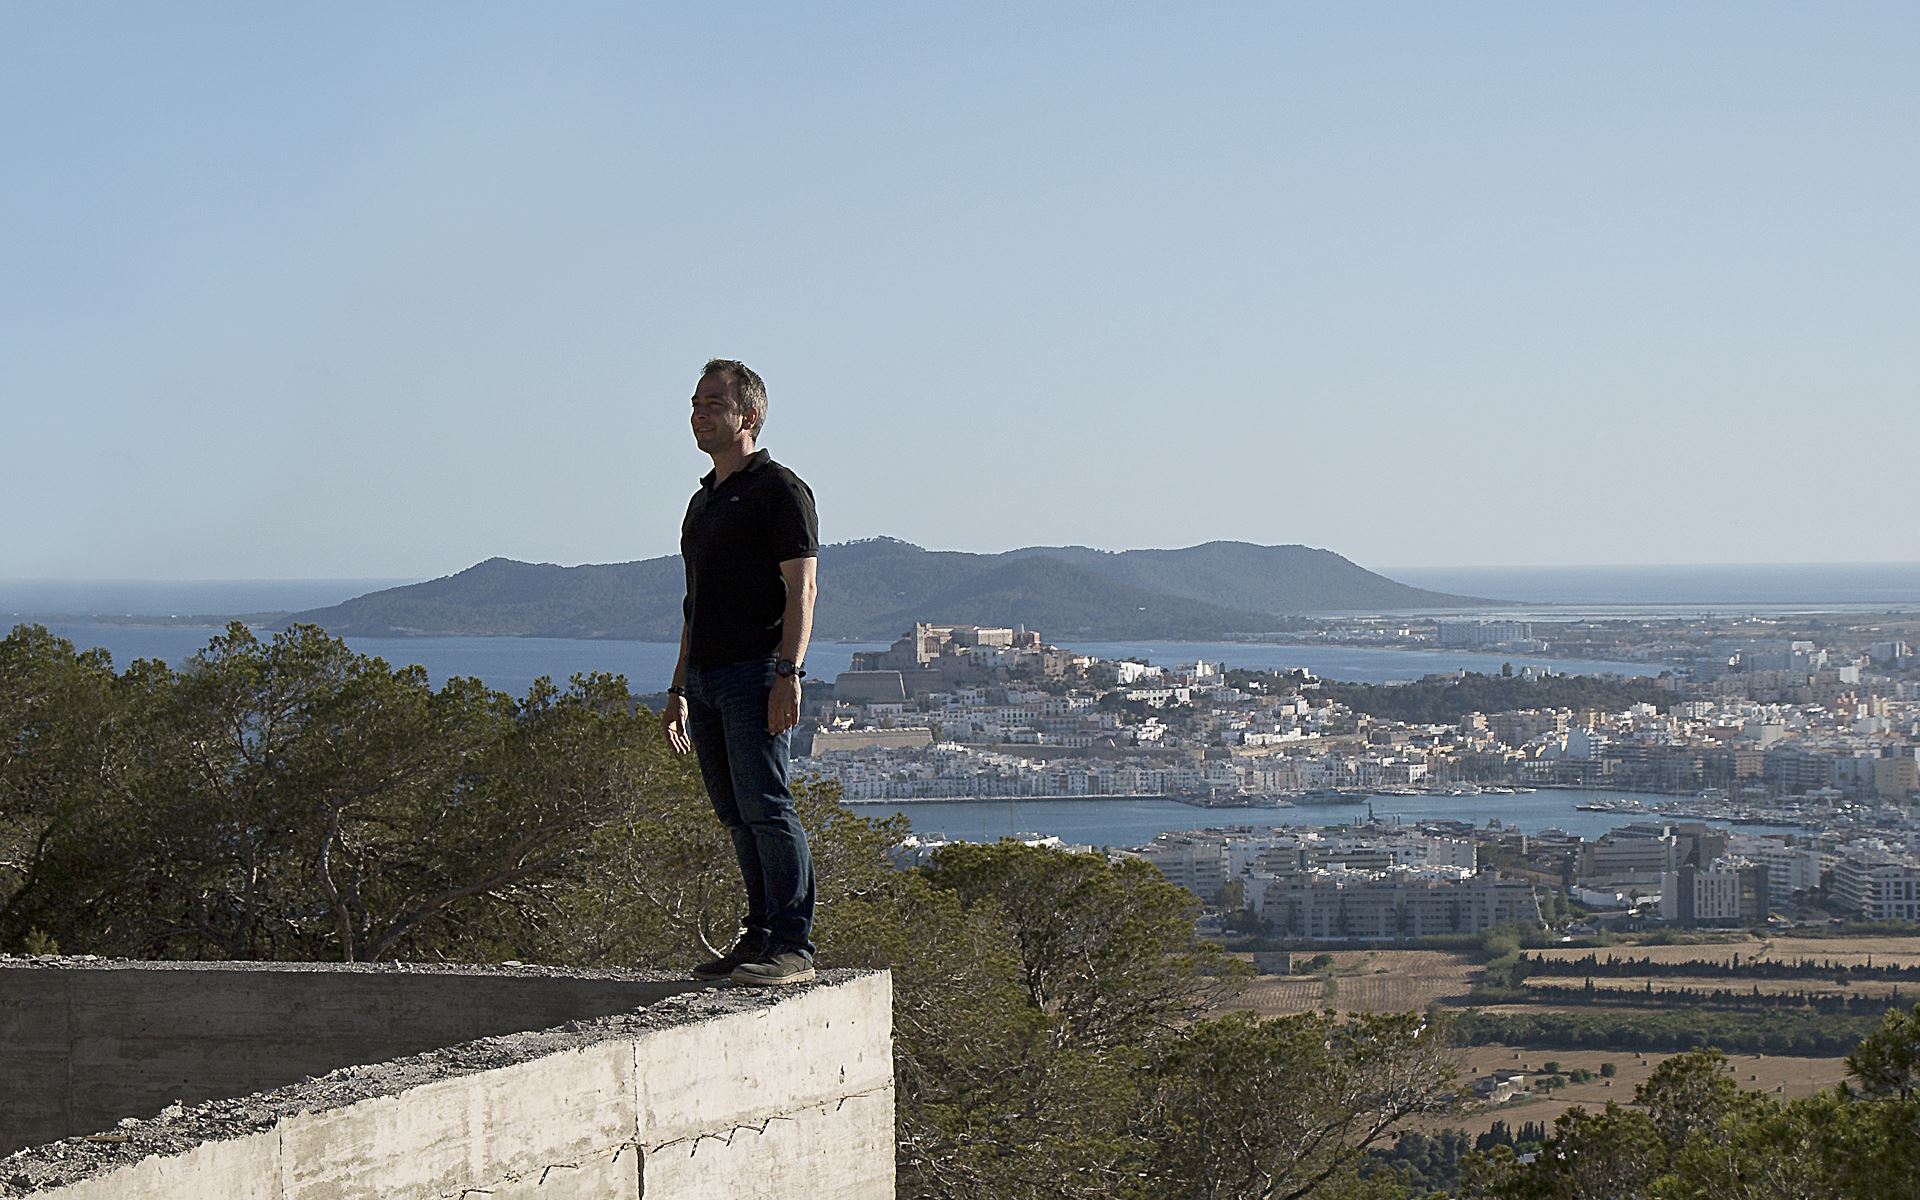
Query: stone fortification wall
907	737
646	1084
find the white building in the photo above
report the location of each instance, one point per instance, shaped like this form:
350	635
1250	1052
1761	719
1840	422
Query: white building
1790	869
1877	885
1712	894
1482	633
1195	861
1393	904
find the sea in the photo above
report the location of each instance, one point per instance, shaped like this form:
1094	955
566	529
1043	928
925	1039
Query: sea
511	664
110	614
1135	821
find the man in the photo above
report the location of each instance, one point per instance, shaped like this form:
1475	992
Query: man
750	542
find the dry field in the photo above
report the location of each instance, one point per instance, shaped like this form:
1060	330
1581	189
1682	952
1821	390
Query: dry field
1784	1077
1400	980
1363	981
1892	951
1713	952
1900	951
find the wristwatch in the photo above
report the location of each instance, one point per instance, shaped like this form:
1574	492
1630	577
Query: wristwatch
787	666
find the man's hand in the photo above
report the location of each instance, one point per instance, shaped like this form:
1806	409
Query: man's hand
783	704
673	723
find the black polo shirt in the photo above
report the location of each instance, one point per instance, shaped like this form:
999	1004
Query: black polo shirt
735	536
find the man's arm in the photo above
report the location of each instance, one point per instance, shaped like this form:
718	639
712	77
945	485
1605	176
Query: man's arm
673	718
796	625
796	629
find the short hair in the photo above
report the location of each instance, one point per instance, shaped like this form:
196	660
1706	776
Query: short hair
748	390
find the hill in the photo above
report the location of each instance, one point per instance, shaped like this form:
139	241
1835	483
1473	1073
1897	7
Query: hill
872	590
1269	579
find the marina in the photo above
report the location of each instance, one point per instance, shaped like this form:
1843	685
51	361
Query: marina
1135	820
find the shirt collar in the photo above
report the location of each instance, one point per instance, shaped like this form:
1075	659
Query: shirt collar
756	460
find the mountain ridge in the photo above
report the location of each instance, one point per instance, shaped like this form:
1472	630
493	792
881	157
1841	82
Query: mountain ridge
874	588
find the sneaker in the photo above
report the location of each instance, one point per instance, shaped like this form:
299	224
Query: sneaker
775	968
748	946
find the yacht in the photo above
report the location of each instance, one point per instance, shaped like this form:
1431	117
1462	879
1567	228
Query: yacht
1332	796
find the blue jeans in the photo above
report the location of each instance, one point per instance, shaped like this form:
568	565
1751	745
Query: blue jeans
745	769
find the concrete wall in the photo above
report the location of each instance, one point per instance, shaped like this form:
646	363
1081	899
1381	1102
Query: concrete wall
87	1043
716	1092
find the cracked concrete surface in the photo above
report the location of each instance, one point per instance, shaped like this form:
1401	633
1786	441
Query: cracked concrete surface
704	1090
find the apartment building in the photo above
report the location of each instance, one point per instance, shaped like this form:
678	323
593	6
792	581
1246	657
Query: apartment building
1399	903
1729	892
1790	868
1640	854
1876	885
1482	633
1194	861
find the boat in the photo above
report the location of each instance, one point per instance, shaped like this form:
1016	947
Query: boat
1332	796
1236	800
1612	806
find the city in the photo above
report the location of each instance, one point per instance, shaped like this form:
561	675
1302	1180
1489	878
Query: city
1769	732
960	602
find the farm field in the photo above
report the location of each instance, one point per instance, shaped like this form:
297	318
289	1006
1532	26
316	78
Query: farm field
1363	981
1889	951
1782	1076
1389	980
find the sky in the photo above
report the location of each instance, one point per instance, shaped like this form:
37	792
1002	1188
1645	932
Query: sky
382	290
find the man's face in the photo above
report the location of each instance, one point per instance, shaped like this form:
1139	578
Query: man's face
717	423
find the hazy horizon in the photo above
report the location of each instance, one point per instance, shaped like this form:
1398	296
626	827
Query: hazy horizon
1601	585
401	580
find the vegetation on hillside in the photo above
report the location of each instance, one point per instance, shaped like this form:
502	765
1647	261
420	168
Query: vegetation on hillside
1692	1134
1618	965
1054	1037
1776	1031
292	800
